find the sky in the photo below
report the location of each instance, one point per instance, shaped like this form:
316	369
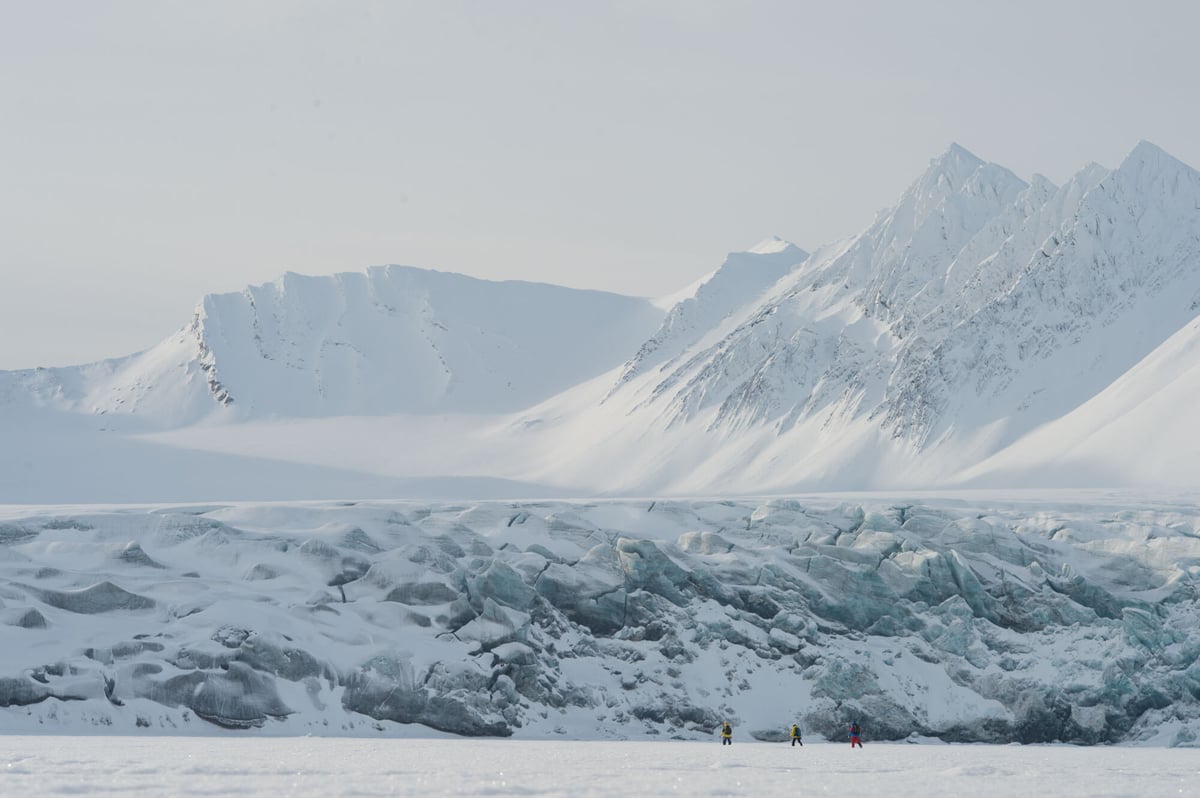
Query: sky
152	152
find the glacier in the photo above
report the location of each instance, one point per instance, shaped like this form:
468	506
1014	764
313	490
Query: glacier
966	618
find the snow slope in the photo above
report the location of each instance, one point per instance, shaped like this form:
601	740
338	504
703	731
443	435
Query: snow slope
1128	417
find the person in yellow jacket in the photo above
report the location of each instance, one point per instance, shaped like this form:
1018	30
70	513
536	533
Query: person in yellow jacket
796	736
726	734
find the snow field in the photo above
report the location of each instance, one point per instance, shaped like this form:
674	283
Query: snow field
308	766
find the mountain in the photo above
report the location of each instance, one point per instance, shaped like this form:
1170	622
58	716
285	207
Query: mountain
1118	277
972	313
822	339
701	310
408	340
388	340
975	314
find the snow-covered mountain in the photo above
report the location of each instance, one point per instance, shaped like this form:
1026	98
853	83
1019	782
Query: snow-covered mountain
407	340
971	314
388	340
962	323
1100	294
701	310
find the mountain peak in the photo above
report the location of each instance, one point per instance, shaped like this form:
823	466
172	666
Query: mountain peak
1041	183
1155	175
959	151
958	169
957	160
1148	154
771	246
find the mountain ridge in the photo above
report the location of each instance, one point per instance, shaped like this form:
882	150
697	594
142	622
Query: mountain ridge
975	311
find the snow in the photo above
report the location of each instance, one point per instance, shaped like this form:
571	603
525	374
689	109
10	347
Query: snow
320	767
707	310
966	615
906	478
983	331
390	339
1126	417
770	246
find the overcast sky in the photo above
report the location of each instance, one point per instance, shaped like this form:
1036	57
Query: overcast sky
152	152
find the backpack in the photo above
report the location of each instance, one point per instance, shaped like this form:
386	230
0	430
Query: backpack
854	729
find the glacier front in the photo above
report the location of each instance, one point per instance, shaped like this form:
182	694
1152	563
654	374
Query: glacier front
963	617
